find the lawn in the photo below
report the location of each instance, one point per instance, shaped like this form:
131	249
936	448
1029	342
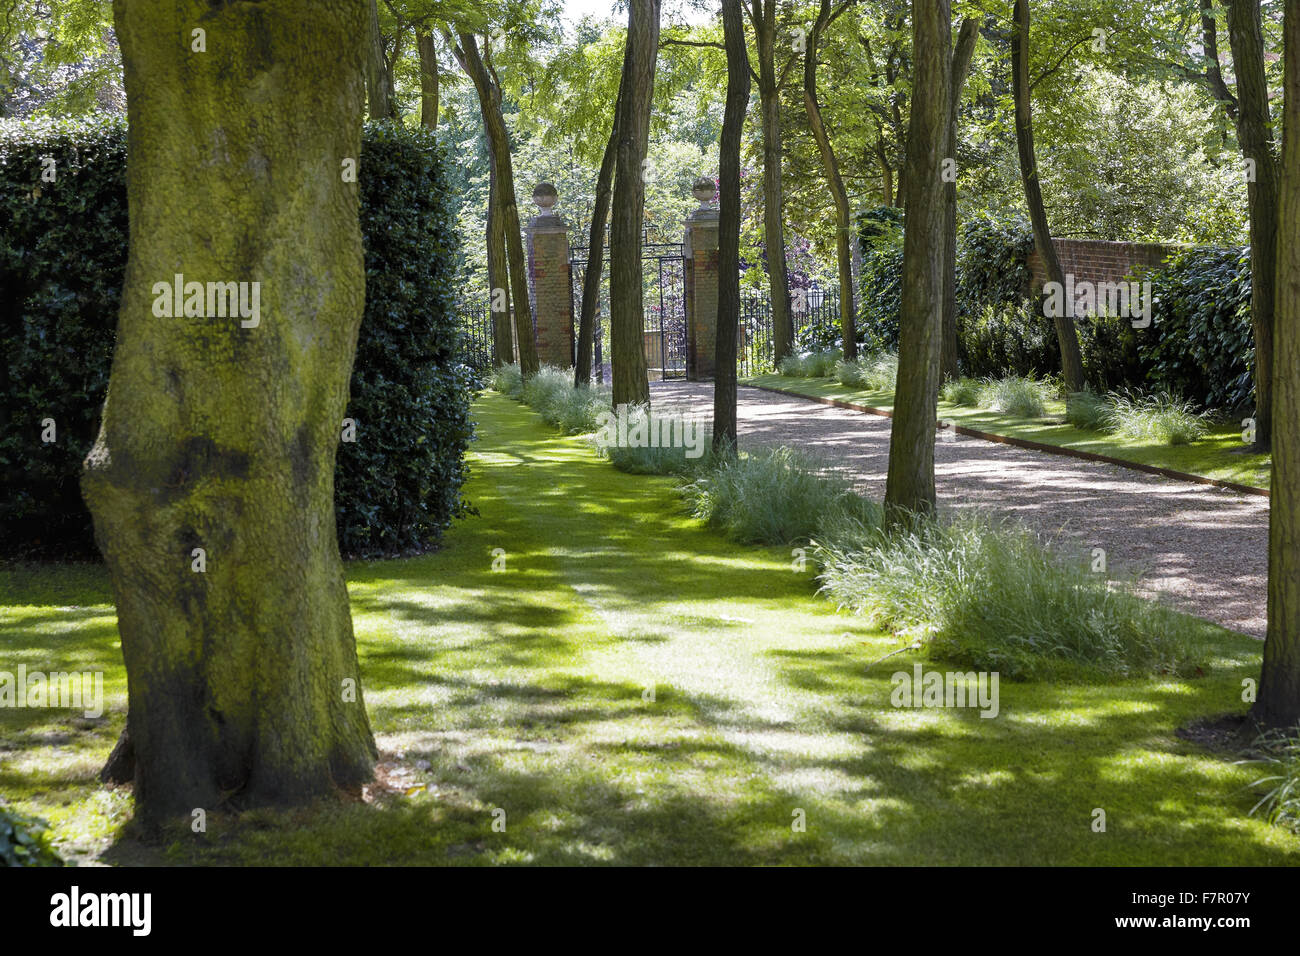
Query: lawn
528	690
1220	455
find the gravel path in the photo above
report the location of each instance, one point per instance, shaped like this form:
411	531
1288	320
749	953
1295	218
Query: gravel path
1204	548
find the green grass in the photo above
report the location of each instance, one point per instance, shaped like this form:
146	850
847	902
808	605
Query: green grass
525	690
1220	454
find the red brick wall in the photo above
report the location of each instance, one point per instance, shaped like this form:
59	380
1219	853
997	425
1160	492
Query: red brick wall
1097	260
550	287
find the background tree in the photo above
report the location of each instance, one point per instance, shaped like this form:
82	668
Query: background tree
961	58
1278	703
631	385
830	165
1066	334
243	679
733	123
909	487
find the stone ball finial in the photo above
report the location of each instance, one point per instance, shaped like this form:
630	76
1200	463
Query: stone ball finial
545	196
704	190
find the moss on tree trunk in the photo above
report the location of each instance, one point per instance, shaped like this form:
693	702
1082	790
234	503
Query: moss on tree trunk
221	435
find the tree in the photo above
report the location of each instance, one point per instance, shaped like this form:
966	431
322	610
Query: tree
1255	134
1066	334
380	101
220	431
733	124
627	319
909	486
762	16
596	252
428	50
1278	703
498	272
830	165
961	58
480	71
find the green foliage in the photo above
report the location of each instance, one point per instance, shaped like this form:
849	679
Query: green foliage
880	237
849	373
819	364
880	372
1203	347
775	497
1007	339
509	381
992	264
1161	418
961	391
62	257
1088	410
1015	395
1280	753
993	597
673	460
25	840
552	394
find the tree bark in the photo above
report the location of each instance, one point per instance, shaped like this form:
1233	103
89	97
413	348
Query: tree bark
909	487
961	58
733	126
1278	702
1066	334
489	97
627	318
596	252
222	436
503	352
428	50
762	14
830	165
379	85
1256	138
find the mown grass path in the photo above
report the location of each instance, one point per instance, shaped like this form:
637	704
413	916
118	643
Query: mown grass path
523	696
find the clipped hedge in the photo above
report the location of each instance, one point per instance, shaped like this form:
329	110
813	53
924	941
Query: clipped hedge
63	248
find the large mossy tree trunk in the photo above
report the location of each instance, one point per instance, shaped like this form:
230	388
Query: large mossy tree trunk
627	316
762	15
834	181
488	87
733	127
961	57
1067	336
1255	134
243	679
909	487
1278	703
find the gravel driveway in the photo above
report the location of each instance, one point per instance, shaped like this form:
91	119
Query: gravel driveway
1204	548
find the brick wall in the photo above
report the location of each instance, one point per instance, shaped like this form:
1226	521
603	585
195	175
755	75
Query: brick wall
550	284
1097	260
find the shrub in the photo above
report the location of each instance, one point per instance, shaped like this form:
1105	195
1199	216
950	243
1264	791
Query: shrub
880	238
1088	410
880	372
62	259
574	411
961	391
793	366
1161	419
672	459
773	497
1280	753
508	380
822	364
993	597
1015	395
849	373
25	840
1008	340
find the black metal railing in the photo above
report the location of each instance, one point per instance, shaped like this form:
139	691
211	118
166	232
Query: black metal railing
815	314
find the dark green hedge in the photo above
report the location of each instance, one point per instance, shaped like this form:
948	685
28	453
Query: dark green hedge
62	254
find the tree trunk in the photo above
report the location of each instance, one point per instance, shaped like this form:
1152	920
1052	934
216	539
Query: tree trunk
1255	134
596	252
221	434
379	102
503	352
733	127
428	50
762	15
909	487
843	258
489	98
627	319
1278	703
961	58
1066	334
